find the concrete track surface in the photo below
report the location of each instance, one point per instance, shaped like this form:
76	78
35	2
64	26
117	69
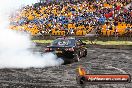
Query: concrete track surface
64	76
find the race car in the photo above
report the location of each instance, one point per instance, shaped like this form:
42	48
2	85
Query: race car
70	49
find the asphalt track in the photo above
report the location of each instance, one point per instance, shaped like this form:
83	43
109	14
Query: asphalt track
98	61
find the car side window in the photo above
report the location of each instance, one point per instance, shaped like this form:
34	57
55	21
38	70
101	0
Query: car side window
78	42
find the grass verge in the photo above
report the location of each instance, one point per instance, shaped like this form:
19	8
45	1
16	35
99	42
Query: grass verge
96	42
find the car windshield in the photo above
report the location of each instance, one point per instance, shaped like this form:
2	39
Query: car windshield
63	42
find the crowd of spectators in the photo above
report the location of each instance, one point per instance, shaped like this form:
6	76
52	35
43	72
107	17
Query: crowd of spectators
71	15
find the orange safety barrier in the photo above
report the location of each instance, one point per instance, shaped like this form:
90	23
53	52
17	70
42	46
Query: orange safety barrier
80	32
58	32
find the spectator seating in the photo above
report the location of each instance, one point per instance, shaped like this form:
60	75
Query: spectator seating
80	17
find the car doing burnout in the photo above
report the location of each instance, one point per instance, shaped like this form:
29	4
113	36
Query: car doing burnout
70	49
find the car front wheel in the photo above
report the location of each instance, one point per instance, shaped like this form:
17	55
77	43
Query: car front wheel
76	58
85	53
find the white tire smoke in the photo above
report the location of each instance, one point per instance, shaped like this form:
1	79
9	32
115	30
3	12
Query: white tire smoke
14	46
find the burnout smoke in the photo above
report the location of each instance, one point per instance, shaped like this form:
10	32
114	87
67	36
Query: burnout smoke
15	46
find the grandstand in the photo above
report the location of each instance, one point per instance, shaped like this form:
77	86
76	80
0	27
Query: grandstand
75	17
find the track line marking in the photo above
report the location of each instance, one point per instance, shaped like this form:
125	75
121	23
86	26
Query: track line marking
118	69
